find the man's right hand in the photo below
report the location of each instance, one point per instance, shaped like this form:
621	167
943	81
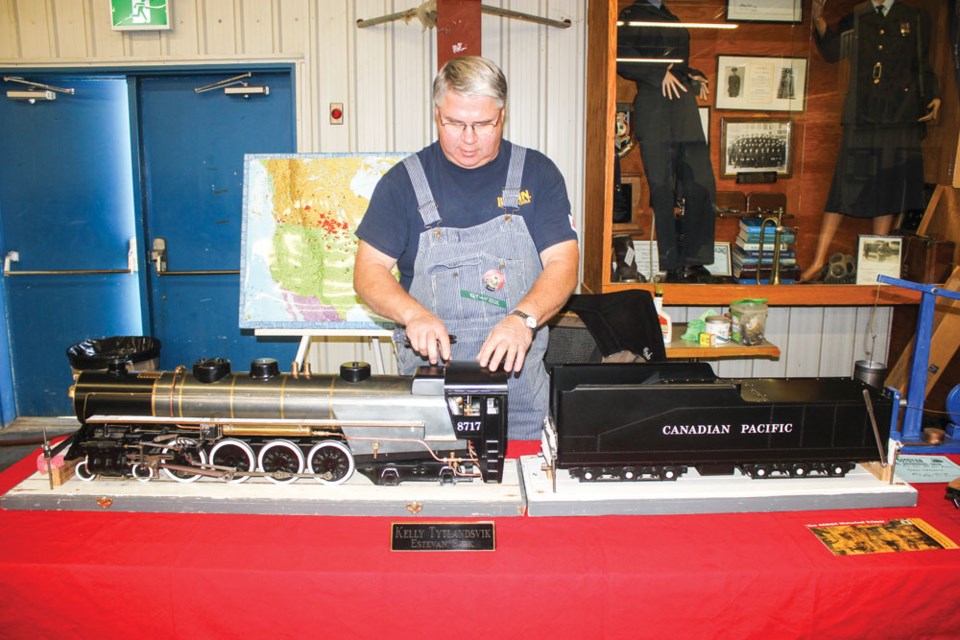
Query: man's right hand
428	336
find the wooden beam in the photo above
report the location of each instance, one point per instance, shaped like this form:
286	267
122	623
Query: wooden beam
458	29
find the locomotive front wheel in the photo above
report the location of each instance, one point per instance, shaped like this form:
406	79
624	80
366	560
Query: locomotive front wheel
183	458
236	454
142	472
83	471
281	458
331	461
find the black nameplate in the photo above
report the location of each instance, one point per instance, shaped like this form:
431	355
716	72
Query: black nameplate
442	536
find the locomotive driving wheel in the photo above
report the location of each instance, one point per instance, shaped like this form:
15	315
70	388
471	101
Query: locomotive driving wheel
236	454
331	461
281	458
183	457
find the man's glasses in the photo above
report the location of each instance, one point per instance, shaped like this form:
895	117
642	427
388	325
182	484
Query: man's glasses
480	129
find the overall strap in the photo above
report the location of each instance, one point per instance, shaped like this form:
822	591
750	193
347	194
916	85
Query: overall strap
425	203
511	191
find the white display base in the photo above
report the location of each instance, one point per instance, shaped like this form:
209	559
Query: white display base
693	493
356	497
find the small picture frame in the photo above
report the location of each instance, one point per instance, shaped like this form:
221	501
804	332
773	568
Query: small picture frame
756	145
765	10
878	255
761	83
705	122
722	265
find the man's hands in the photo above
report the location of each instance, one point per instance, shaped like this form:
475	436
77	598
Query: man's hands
428	337
506	344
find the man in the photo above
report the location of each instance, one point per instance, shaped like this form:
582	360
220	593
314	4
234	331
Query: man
482	234
891	93
676	158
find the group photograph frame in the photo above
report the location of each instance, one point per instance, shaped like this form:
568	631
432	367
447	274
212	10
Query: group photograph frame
761	83
757	145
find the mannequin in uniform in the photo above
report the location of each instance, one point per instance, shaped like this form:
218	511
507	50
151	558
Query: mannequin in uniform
892	92
675	155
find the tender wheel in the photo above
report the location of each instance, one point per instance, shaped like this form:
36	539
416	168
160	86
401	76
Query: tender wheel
629	474
668	474
761	472
838	470
798	471
589	475
83	471
332	462
281	457
142	472
185	457
235	454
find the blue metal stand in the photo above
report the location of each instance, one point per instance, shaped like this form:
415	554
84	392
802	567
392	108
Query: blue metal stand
910	433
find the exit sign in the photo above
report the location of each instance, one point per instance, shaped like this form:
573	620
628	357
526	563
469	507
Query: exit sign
129	15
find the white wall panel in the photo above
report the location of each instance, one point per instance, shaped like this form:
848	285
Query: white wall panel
9	32
70	29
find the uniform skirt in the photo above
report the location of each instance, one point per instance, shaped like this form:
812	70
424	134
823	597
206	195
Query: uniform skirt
879	171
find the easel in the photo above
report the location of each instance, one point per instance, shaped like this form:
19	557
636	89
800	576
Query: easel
910	431
306	335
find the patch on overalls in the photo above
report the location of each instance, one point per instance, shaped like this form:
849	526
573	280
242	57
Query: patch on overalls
493	280
482	297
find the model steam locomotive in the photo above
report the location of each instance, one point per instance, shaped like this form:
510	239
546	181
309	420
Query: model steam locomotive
444	423
653	421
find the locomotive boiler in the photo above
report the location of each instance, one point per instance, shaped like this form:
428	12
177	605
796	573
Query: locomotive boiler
654	421
443	423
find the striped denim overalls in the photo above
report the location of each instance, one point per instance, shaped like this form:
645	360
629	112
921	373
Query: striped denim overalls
471	279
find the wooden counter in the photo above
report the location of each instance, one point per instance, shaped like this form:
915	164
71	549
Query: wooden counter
693	349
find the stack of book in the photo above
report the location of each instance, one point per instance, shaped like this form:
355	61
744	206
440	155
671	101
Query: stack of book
748	258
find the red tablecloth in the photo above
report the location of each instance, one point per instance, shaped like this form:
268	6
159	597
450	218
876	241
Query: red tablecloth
111	575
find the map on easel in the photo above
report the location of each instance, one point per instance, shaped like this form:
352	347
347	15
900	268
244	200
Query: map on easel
300	212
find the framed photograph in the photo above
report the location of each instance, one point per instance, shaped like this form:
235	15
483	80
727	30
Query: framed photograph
756	145
705	122
878	255
765	10
721	260
647	258
761	83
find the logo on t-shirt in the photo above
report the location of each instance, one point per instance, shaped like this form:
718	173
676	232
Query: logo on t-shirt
523	199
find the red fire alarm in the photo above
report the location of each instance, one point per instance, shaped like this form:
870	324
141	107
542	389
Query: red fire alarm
336	113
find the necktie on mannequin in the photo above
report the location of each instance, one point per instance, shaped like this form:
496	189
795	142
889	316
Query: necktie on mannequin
880	10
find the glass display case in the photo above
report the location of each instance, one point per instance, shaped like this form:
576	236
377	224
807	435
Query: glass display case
772	121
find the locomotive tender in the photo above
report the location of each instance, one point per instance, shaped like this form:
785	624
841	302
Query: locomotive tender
653	421
444	423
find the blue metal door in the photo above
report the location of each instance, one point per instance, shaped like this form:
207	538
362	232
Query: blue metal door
66	226
192	150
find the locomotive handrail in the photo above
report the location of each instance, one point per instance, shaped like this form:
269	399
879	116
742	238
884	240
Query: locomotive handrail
313	422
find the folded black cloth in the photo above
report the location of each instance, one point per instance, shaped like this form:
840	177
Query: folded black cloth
622	321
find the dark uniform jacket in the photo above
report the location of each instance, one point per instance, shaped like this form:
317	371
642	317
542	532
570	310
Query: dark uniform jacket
652	42
891	81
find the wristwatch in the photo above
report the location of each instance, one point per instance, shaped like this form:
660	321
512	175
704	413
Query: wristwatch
529	320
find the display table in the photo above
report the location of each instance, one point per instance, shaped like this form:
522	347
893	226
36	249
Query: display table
173	575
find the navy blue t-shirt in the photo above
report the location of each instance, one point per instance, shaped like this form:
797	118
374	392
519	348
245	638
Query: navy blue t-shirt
465	198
